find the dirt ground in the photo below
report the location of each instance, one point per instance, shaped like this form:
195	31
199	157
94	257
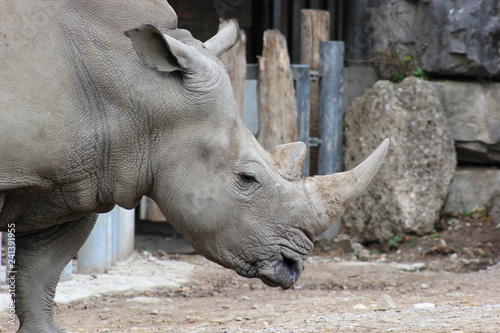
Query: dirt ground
448	281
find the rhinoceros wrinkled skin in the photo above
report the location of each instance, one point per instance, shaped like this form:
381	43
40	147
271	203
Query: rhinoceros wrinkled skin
103	102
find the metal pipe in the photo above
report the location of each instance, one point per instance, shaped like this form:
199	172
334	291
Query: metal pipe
331	108
302	76
94	255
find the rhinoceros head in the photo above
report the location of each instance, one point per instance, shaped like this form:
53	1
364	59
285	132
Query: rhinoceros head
241	206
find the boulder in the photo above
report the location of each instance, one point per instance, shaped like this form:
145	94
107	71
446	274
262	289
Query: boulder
473	188
473	113
411	186
444	37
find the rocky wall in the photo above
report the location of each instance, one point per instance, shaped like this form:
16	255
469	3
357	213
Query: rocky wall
443	37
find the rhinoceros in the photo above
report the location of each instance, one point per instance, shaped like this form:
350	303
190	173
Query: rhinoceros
103	102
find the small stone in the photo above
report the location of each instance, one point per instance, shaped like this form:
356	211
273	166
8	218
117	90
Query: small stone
154	312
360	251
385	302
415	267
424	306
360	307
245	298
424	286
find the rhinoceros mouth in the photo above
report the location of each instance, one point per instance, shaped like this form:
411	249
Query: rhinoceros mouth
281	272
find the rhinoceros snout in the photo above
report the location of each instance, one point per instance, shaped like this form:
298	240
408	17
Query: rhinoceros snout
282	272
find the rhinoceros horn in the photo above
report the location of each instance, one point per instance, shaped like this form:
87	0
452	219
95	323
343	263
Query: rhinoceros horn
330	195
288	159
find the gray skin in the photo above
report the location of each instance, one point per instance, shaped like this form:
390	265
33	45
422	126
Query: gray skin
94	114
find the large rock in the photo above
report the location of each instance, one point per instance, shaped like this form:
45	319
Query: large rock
472	188
445	37
410	188
473	113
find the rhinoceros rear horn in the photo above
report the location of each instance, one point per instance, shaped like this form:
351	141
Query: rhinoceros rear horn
161	51
225	38
289	158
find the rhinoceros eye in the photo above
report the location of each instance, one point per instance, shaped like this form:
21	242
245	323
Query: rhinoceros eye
247	178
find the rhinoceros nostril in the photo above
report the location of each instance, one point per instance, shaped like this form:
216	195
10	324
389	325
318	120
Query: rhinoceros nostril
283	271
291	266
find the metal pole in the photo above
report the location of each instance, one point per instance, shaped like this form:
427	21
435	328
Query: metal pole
93	255
67	272
331	109
127	218
302	76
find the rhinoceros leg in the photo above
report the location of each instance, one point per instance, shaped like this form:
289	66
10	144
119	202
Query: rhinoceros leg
40	259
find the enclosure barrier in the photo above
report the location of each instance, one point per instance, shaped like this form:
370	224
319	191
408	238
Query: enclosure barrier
331	108
111	240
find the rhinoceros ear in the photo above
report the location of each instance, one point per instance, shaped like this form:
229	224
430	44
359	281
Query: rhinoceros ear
225	38
161	51
288	159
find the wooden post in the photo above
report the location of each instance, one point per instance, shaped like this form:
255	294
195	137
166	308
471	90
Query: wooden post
236	64
315	28
277	104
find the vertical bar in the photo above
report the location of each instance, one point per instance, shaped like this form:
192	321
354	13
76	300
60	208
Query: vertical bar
250	110
331	70
276	14
67	271
295	30
116	230
333	18
108	218
331	107
261	12
92	257
302	76
127	233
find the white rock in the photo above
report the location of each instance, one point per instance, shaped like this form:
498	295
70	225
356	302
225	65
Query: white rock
360	307
424	306
385	302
